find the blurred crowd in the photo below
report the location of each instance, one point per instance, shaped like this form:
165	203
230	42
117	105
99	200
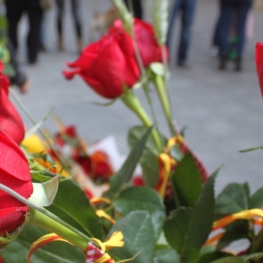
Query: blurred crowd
228	39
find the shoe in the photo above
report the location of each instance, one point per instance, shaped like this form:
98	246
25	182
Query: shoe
25	87
42	47
238	65
222	63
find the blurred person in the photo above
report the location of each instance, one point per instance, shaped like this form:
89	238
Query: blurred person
18	78
75	7
14	11
233	20
135	7
187	10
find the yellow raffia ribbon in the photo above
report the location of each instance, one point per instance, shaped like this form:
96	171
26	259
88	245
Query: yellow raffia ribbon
102	213
44	240
165	169
213	240
172	141
100	200
166	163
246	214
115	240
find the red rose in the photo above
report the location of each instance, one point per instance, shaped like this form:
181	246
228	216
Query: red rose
259	64
15	174
10	120
145	39
107	65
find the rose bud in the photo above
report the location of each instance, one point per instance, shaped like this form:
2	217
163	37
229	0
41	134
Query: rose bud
108	65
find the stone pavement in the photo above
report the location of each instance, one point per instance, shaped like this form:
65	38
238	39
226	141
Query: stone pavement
223	111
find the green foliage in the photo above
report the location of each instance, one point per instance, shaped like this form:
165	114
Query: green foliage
72	205
142	199
186	181
149	158
55	252
139	239
126	172
166	255
188	228
231	200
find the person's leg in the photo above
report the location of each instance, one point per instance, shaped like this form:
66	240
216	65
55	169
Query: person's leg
188	9
216	40
14	11
34	13
171	26
242	14
77	21
136	6
59	21
224	33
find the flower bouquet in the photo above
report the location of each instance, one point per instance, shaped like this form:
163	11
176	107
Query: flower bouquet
63	200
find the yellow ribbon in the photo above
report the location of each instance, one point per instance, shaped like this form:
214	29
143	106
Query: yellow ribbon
167	162
246	214
115	240
43	241
172	141
102	213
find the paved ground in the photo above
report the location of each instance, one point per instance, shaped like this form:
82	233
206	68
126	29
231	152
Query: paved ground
222	110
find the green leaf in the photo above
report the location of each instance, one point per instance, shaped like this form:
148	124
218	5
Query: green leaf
166	255
210	257
142	198
253	258
138	198
72	205
231	200
229	260
125	174
256	200
235	231
55	252
186	180
149	158
44	193
139	238
189	228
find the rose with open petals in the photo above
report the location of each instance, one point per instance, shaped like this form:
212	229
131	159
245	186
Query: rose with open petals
10	120
259	64
108	66
145	39
15	174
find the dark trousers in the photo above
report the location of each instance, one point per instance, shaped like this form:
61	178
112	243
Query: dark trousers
187	9
136	6
233	14
14	11
216	36
75	14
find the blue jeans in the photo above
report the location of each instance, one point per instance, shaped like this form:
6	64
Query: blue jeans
186	8
233	14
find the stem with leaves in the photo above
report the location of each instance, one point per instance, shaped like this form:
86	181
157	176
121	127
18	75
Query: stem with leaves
43	218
